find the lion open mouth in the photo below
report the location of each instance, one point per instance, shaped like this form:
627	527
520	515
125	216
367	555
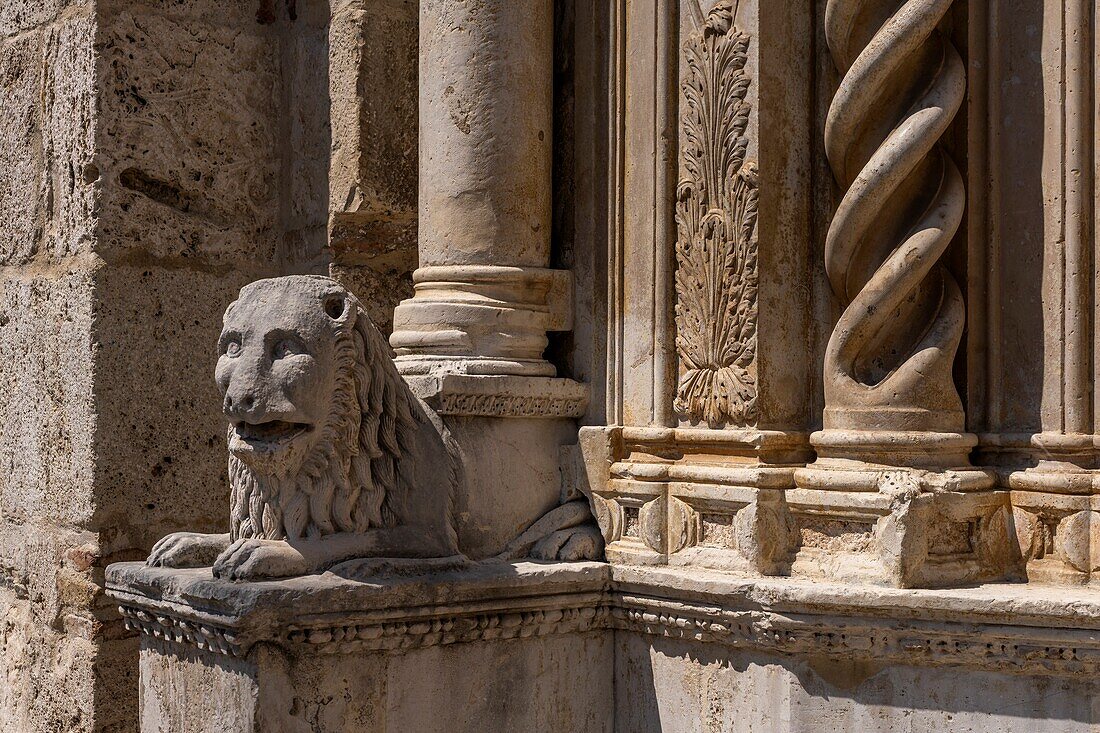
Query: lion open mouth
273	431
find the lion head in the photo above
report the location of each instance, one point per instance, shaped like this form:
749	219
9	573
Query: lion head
318	415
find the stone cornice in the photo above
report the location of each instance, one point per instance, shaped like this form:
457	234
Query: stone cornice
1008	628
1024	650
449	629
183	630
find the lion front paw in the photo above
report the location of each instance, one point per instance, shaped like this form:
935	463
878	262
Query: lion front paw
187	550
571	545
249	559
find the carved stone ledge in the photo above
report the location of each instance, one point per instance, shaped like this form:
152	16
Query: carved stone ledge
873	642
408	606
1015	628
501	396
1002	627
451	629
169	627
352	637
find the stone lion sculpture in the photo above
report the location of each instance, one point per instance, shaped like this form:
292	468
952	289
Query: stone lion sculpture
331	456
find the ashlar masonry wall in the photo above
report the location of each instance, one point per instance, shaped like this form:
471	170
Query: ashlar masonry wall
155	156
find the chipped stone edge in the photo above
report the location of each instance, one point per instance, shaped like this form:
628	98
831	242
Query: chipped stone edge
836	636
1023	650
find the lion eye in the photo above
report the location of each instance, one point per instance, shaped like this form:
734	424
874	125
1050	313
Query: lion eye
286	347
232	348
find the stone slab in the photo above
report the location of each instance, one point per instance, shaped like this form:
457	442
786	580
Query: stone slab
373	595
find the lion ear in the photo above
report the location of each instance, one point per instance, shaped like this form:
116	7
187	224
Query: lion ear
228	309
338	307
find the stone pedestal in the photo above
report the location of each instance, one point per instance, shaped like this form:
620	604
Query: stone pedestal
591	647
494	648
902	508
510	432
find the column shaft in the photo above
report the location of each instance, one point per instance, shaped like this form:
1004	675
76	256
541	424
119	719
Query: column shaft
484	298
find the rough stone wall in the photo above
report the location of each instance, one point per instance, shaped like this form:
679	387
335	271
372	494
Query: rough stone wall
155	156
373	174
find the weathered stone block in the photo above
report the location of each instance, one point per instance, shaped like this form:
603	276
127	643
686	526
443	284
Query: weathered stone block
47	411
49	628
49	676
20	146
378	289
70	186
190	136
21	15
372	81
160	446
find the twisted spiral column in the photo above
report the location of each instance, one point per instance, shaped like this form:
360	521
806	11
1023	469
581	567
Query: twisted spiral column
888	365
893	420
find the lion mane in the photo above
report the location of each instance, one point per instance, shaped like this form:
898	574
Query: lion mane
352	479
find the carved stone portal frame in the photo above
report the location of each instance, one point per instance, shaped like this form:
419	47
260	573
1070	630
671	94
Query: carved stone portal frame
713	421
723	383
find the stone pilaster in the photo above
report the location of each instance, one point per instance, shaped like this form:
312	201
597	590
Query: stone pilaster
712	422
1056	478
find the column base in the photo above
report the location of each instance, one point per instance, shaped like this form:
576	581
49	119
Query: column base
477	319
1058	536
1054	482
903	509
855	460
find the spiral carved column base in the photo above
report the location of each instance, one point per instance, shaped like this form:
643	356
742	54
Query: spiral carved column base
900	508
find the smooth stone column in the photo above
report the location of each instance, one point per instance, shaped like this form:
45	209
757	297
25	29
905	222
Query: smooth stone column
484	297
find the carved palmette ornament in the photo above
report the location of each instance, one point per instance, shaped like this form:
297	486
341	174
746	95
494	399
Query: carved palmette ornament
716	248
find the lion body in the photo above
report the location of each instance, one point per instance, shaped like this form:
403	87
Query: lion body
382	459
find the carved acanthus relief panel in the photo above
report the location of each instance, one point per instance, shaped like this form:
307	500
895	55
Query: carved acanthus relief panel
716	213
694	476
